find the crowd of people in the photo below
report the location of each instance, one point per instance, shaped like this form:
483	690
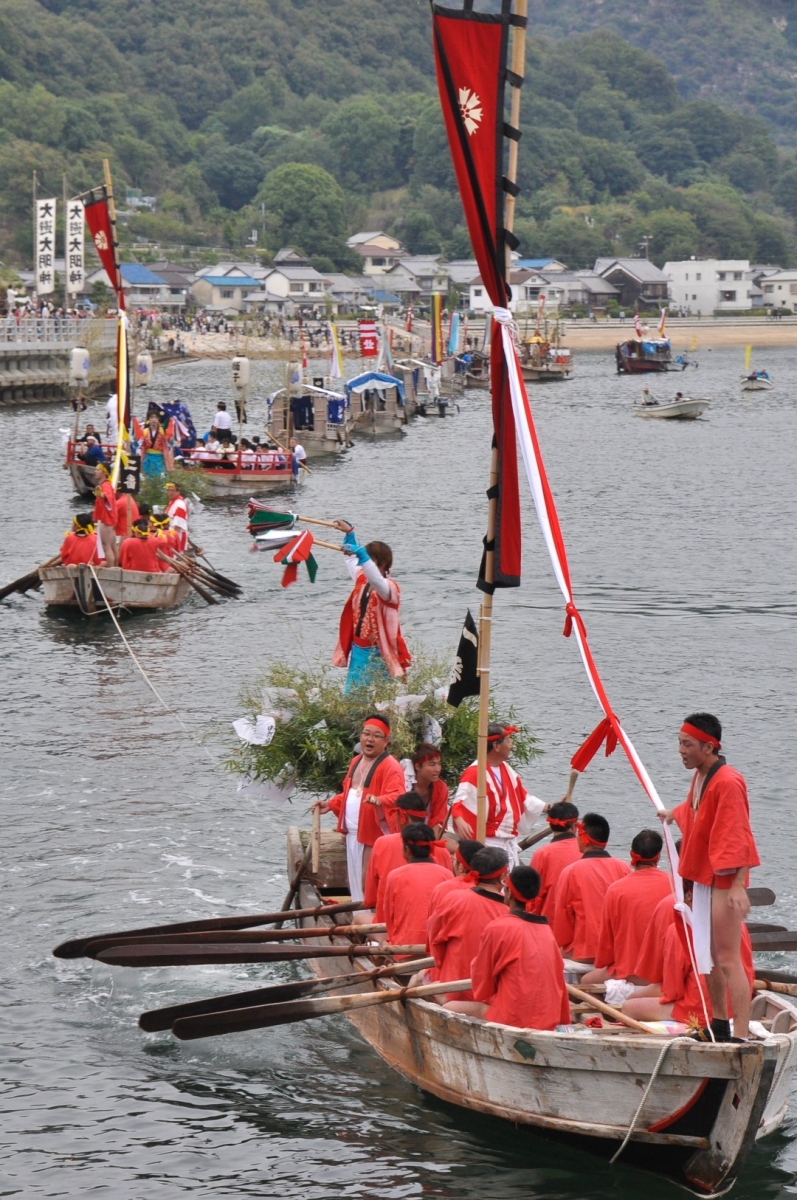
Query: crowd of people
516	930
123	532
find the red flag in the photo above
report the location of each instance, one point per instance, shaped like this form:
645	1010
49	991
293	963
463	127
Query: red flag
369	342
299	550
409	318
471	62
103	234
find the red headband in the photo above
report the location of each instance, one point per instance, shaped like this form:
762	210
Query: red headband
586	838
383	725
499	737
422	842
700	735
460	859
427	758
557	824
527	904
475	876
638	858
412	812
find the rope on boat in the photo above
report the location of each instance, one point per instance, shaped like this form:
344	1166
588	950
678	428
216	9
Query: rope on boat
659	1063
130	651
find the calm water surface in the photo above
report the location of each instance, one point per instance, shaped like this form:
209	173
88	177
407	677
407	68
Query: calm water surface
681	542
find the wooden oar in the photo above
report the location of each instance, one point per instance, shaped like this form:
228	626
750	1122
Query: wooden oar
544	833
76	947
207	577
753	927
760	897
233	938
159	1019
206	596
295	884
263	1016
775	976
156	954
29	582
774	941
606	1009
217	574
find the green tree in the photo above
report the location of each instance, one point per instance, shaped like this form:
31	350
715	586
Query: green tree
786	189
598	113
572	240
305	207
233	172
365	139
674	235
418	233
431	156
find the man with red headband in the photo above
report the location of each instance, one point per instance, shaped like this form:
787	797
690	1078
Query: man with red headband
518	974
126	513
140	551
427	766
177	512
510	809
455	926
388	853
582	888
628	908
369	638
461	861
551	859
718	851
409	888
104	516
364	806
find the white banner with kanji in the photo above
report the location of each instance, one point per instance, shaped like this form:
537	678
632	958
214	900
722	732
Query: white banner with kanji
45	247
75	265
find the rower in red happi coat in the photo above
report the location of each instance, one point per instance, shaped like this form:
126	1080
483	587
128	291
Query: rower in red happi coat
581	890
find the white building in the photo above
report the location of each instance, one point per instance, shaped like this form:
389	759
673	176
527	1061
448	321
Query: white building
379	251
780	289
709	285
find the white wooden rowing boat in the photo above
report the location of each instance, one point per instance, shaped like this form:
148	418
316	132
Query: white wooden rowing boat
756	383
74	587
686	409
704	1105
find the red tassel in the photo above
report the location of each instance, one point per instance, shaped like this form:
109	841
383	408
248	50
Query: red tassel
604	732
290	575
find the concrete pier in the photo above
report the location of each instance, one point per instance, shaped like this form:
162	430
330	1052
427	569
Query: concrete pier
35	356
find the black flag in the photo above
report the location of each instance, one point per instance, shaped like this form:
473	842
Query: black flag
464	679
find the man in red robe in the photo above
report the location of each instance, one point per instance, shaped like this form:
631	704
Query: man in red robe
408	889
104	515
461	865
80	544
177	512
518	973
511	811
388	853
551	859
717	853
455	926
427	767
140	552
370	638
364	805
628	908
581	890
126	513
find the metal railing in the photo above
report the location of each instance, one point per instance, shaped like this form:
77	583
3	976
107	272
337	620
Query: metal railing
61	332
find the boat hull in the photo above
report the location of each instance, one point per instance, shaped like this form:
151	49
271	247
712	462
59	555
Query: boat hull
683	410
550	374
73	587
703	1112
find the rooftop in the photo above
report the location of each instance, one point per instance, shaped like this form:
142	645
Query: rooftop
137	274
641	268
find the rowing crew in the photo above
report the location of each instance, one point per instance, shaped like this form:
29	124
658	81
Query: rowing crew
141	534
575	900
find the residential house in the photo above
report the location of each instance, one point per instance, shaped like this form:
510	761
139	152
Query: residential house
566	288
537	264
709	285
779	289
640	283
378	251
144	287
224	287
460	272
526	289
424	271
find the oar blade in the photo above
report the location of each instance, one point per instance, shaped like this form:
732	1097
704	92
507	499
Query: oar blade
774	941
267	1015
176	955
760	897
157	1020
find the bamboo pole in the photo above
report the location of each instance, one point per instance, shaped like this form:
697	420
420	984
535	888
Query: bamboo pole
486	608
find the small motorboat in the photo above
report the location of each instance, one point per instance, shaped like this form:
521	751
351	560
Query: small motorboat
682	408
757	381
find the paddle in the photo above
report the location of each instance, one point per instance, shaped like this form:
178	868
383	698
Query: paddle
29	582
752	927
233	938
606	1009
774	941
295	883
775	976
156	954
159	1019
211	578
760	897
544	833
206	596
76	947
264	1016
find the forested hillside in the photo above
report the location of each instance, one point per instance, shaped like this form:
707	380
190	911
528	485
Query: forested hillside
309	119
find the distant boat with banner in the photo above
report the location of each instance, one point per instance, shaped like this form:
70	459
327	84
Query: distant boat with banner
644	353
754	381
543	358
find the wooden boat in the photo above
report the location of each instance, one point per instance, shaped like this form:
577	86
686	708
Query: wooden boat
477	369
244	473
315	414
683	409
696	1109
377	403
74	587
543	358
640	355
83	477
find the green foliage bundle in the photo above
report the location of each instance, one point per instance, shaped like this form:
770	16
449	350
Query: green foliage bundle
153	487
315	744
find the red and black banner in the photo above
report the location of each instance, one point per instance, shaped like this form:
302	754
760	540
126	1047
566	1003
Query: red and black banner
103	234
471	50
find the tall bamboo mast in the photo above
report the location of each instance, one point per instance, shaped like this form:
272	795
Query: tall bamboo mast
486	610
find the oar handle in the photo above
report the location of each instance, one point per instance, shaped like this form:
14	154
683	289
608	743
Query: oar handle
206	596
606	1009
317	521
327	545
571	783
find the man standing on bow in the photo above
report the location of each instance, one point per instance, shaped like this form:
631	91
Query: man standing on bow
717	853
364	806
177	512
511	811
